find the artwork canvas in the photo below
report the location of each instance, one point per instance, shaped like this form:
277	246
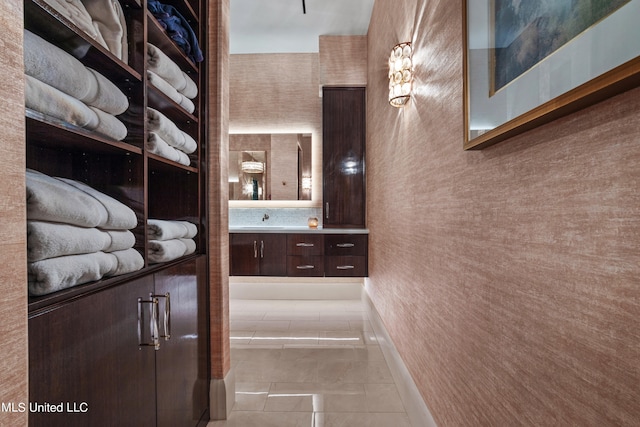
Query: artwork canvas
526	32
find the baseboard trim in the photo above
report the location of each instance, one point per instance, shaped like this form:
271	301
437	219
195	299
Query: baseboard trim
222	396
414	404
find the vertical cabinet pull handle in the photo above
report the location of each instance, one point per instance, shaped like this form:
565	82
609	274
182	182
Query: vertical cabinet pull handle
326	210
261	248
154	326
255	249
167	315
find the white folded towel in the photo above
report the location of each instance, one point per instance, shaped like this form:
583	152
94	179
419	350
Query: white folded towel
168	250
162	65
75	11
159	146
159	229
57	68
128	261
50	199
48	100
163	86
168	131
108	17
54	274
109	125
119	215
51	239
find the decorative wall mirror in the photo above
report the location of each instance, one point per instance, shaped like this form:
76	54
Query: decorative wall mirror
270	167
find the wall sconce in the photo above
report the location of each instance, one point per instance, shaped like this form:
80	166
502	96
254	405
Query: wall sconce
306	183
252	167
400	74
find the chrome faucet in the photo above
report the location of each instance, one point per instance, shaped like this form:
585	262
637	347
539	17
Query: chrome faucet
265	217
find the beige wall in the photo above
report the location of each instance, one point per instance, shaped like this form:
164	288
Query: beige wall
508	278
13	246
343	60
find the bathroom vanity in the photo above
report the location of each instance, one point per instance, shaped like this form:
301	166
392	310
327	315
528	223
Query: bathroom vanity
298	252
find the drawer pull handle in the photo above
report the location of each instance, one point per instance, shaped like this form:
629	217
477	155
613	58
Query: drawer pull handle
154	325
345	245
304	245
305	267
345	267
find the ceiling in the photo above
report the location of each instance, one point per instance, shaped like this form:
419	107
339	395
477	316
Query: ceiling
280	26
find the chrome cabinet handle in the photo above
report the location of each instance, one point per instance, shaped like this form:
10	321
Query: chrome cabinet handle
345	245
153	324
304	245
305	267
345	267
255	249
326	210
167	315
261	248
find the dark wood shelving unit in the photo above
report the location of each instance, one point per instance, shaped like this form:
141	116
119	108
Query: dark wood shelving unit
85	341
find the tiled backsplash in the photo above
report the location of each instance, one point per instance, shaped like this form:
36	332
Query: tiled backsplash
291	217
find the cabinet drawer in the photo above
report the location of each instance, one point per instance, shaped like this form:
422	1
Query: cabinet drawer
346	244
345	266
305	266
305	244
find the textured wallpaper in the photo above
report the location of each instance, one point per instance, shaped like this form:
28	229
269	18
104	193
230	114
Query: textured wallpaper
508	278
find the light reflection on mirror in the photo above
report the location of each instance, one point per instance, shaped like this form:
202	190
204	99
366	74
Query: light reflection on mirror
270	166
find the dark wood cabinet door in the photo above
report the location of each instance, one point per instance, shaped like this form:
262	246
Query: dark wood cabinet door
181	361
273	254
85	356
244	254
343	156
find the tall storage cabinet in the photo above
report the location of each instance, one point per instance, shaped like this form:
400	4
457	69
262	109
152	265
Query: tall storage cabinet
343	156
131	349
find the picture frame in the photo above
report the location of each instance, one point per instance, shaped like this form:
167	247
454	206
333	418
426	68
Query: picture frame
576	63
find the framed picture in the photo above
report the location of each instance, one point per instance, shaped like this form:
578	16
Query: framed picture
529	62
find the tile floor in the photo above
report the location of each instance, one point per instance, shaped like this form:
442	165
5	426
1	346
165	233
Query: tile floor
309	363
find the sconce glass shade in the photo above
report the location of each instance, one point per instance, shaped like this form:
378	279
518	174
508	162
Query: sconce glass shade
252	167
400	74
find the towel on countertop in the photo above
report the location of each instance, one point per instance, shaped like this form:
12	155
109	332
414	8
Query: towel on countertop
168	250
162	65
119	215
168	131
108	17
50	199
166	88
76	12
57	68
51	240
54	274
160	229
48	100
159	146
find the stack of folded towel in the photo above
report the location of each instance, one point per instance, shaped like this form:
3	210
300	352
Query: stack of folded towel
75	234
167	77
102	20
168	240
59	85
166	140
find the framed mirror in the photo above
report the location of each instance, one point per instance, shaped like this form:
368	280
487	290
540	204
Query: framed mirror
270	168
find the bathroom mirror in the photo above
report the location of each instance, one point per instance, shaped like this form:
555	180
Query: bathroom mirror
270	167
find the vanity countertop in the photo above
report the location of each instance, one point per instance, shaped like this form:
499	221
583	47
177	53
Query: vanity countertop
294	229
